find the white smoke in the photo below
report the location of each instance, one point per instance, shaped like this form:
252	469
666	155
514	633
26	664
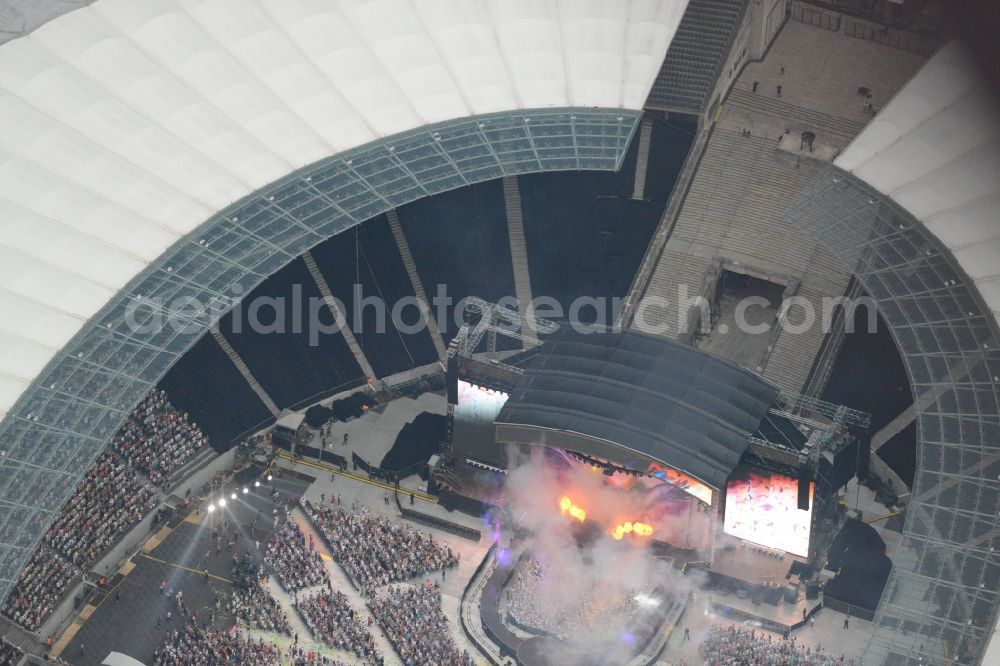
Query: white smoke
533	489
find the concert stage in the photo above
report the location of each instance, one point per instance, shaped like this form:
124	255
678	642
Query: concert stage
779	619
605	447
742	561
750	582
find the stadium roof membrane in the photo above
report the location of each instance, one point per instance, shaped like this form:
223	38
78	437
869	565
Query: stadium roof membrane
128	124
935	150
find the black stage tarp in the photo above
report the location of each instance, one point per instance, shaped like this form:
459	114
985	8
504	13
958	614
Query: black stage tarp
416	443
639	397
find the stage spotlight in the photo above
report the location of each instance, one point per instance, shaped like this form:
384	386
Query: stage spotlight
233	496
211	508
245	490
222	503
256	484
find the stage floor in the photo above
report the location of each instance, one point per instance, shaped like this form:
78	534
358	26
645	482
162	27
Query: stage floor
736	558
783	613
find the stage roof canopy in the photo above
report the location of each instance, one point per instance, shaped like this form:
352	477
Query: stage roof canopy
660	399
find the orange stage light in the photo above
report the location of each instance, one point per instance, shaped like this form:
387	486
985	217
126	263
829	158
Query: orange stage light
566	506
638	529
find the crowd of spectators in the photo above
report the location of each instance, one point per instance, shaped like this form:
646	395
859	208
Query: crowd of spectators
156	439
745	646
542	601
302	657
42	584
415	625
373	550
108	502
296	563
9	655
256	608
193	646
332	621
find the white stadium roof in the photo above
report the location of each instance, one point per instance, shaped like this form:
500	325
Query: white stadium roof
935	150
128	124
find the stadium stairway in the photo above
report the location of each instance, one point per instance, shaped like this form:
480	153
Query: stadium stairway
822	368
658	643
642	157
271	405
21	638
518	246
418	286
331	303
817	121
793	353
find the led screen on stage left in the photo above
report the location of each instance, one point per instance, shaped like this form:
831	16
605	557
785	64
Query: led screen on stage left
762	507
474	416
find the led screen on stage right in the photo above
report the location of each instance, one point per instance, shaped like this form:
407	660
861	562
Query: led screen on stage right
762	507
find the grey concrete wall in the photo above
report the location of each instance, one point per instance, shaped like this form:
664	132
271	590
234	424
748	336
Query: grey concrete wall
205	474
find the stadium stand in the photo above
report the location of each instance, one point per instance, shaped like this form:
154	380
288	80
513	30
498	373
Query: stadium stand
696	54
114	495
256	608
364	545
193	645
469	226
295	563
293	368
332	621
416	627
39	589
107	503
591	242
746	645
156	439
367	255
9	655
204	382
733	211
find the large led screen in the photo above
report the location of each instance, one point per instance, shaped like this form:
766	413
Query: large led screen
762	507
680	480
474	415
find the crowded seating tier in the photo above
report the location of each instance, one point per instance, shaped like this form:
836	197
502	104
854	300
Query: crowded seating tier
375	551
331	620
738	646
295	563
415	625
